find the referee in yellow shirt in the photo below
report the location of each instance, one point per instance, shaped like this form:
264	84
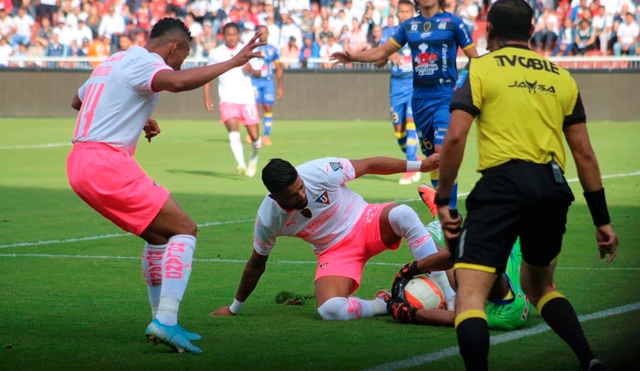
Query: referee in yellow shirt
523	104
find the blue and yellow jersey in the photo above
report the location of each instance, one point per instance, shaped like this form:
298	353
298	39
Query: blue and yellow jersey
434	46
405	69
268	63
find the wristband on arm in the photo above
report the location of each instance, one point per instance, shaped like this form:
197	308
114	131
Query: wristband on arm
235	307
413	166
598	207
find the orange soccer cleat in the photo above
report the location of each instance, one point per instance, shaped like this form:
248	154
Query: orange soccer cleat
428	196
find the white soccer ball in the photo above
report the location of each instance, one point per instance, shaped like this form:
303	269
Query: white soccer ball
423	293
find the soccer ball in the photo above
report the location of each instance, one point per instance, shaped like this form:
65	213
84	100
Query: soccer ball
423	293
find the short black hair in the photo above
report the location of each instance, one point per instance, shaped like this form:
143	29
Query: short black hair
278	175
230	25
405	2
167	25
511	20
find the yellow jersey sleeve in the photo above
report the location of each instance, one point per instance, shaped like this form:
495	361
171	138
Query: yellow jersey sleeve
575	112
468	95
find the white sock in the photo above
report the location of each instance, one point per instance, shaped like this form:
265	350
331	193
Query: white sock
343	309
236	147
406	223
176	269
255	148
152	272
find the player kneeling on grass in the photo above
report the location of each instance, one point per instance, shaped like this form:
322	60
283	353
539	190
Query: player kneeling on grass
507	308
312	202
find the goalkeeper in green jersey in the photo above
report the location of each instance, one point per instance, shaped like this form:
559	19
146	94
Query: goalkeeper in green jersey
507	309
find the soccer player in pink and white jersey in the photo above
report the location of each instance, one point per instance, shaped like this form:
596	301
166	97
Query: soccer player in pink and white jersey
313	202
237	100
115	105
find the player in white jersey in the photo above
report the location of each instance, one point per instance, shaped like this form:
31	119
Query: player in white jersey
237	100
114	106
313	203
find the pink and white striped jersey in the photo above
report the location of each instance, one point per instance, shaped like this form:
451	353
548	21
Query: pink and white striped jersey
234	86
335	208
118	99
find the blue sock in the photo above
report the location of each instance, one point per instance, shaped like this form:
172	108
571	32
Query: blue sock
411	148
267	120
453	204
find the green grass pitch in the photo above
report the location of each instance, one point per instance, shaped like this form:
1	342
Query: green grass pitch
72	295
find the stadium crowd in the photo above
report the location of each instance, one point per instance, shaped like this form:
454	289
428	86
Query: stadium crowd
304	31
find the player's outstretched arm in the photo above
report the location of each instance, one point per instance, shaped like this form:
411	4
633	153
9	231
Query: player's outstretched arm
371	55
193	78
589	175
250	276
388	165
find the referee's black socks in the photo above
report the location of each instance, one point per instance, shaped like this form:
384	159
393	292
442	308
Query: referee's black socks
473	339
560	316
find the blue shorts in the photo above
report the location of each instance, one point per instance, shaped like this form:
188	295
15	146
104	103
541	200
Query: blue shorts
400	101
432	121
265	91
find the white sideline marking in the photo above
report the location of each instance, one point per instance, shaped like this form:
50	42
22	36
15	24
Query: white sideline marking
103	236
33	146
217	260
498	339
209	224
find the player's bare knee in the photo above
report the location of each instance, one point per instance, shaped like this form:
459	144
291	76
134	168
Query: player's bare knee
334	309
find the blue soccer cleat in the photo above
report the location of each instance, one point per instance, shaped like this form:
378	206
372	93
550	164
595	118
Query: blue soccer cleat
171	336
191	336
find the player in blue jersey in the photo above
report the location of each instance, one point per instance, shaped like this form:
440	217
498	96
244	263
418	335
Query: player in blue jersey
433	37
400	93
263	83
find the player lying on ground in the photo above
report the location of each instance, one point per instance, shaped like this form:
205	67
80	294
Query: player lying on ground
115	105
507	309
313	203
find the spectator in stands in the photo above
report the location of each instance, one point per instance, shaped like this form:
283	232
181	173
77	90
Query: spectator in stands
45	31
55	49
22	24
124	43
274	32
6	51
566	38
576	12
602	25
290	54
585	37
310	50
324	31
546	29
340	21
6	24
469	11
290	29
99	48
82	32
356	39
208	39
112	25
627	34
142	15
93	20
376	37
37	50
330	47
46	8
194	27
306	23
20	56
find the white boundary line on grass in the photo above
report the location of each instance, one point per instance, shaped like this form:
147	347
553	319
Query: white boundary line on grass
210	224
498	339
34	146
301	262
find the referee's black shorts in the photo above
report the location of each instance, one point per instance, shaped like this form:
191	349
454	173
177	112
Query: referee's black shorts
514	199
